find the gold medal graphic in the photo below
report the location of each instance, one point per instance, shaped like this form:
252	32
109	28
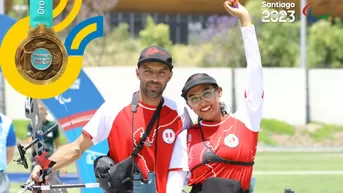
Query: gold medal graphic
41	58
36	63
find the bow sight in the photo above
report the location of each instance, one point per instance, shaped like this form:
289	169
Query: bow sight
22	149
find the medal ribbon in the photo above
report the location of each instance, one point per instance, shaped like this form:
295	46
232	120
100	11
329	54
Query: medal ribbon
41	13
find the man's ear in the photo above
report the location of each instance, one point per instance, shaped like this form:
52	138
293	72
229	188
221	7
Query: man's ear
137	74
171	75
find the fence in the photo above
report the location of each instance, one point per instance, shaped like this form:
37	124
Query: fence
285	91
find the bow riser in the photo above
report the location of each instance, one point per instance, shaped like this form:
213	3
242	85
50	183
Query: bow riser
40	148
32	113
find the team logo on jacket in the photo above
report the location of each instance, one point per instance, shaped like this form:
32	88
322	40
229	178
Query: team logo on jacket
168	136
231	140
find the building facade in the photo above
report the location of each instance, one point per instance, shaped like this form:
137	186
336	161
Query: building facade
188	17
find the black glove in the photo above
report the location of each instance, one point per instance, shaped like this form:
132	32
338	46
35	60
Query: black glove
114	177
102	165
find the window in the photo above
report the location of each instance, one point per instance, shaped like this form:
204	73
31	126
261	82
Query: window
173	31
184	28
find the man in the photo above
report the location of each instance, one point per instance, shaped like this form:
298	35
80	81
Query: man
154	71
7	147
52	140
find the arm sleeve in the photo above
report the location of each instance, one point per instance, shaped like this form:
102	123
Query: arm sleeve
179	159
254	91
11	137
176	181
99	126
186	119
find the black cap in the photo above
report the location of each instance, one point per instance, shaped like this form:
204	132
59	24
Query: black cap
156	54
199	80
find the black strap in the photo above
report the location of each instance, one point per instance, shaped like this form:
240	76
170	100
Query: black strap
134	102
216	158
134	105
196	188
212	157
156	115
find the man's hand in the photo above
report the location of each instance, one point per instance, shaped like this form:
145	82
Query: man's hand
238	11
36	175
64	170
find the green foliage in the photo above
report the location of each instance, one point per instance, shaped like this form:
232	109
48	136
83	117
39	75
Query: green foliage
279	44
187	55
255	9
224	50
265	138
115	48
326	132
155	34
16	14
277	127
325	43
20	127
120	33
271	127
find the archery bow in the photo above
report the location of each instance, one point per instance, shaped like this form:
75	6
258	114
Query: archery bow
31	112
41	150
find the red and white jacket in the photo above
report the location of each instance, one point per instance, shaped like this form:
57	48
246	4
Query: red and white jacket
115	126
234	138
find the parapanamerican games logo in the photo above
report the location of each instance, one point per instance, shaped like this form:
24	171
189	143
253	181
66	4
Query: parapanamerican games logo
274	16
307	11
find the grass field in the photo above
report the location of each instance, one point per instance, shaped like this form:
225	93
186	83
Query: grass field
276	171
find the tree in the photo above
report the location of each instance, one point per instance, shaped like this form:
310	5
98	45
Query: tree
324	44
220	42
91	8
155	34
8	6
120	48
278	42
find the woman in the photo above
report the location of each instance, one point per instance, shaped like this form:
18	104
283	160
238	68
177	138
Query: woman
222	146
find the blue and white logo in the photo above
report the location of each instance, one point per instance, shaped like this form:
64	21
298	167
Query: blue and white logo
41	59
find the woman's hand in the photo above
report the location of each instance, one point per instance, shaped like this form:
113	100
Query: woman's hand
239	11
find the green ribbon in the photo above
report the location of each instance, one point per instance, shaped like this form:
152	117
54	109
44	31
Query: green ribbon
41	13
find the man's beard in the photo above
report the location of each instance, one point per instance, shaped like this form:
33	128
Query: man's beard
152	92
